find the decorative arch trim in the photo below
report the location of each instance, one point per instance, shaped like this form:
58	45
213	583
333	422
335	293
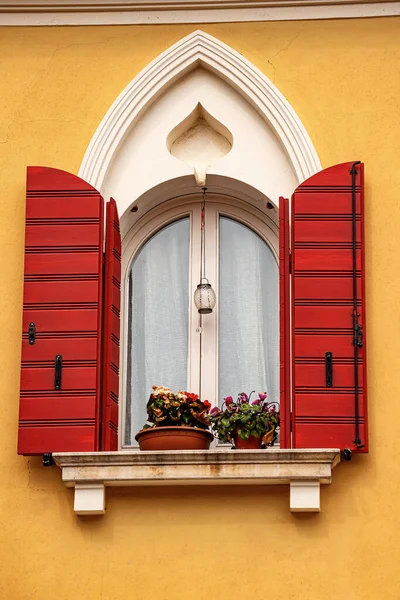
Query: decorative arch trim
194	50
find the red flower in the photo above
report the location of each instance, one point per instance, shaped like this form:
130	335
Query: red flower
228	400
207	404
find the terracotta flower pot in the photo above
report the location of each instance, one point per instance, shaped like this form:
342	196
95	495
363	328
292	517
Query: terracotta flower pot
252	443
174	438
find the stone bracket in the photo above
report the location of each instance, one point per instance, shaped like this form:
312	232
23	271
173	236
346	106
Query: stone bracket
90	499
305	496
303	470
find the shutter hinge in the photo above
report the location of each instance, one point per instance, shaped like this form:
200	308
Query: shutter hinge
291	423
290	263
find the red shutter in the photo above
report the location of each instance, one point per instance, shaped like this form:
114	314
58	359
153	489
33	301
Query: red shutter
328	413
284	321
111	329
62	300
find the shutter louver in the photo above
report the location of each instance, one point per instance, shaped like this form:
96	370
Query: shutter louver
284	321
111	329
324	395
62	301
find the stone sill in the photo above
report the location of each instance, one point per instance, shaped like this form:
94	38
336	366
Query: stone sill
303	470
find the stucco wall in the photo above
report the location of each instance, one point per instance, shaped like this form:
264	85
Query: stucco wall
342	78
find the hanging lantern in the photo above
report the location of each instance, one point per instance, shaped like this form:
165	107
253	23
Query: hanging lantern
204	297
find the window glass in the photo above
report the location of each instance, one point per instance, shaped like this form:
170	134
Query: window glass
248	313
158	320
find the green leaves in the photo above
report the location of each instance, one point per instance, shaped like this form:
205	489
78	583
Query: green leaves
245	419
244	434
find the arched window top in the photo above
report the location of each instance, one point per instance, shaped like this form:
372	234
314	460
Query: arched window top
203	52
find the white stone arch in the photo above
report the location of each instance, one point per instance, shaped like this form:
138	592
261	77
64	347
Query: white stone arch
198	49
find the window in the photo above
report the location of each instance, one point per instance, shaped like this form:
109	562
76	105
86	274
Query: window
72	304
234	349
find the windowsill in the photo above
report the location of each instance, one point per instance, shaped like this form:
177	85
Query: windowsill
304	470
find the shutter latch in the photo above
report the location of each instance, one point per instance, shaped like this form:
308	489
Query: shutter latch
48	459
57	372
347	454
32	333
328	369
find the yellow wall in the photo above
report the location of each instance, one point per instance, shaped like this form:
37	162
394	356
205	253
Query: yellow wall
342	78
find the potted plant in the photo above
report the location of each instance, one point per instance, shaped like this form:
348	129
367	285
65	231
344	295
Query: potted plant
247	424
176	422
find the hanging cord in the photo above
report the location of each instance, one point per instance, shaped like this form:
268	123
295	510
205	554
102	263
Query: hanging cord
357	328
203	236
202	272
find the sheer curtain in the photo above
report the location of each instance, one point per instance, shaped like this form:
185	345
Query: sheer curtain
158	320
248	313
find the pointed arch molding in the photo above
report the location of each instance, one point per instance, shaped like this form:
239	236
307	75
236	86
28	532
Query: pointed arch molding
198	49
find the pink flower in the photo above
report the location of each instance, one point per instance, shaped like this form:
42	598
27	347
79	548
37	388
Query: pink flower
243	398
256	401
215	411
262	395
228	400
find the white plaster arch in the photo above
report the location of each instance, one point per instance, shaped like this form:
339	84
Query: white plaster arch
198	50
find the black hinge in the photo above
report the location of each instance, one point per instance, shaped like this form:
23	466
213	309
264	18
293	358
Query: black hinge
291	423
290	263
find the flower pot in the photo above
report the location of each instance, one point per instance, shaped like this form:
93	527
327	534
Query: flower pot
253	443
174	438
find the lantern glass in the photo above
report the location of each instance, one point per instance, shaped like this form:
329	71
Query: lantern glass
204	298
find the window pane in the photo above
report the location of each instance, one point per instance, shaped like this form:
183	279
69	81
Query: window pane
158	320
248	313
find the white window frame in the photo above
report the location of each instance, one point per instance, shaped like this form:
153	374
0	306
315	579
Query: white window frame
257	219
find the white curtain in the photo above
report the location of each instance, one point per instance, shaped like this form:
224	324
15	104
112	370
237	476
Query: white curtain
248	313
158	320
